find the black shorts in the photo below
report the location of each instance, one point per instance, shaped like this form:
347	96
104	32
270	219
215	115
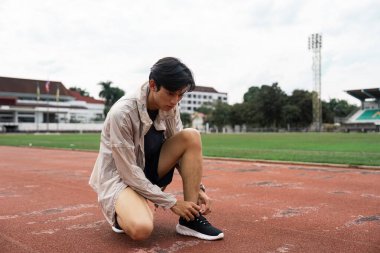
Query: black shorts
153	142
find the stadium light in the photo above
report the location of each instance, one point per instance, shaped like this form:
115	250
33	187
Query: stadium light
315	45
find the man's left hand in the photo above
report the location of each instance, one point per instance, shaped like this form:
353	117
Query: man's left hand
205	202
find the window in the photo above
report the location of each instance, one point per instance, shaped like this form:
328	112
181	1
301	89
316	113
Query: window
205	97
6	117
26	119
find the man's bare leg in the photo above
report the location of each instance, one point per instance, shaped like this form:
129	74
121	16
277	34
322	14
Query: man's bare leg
134	215
186	147
133	212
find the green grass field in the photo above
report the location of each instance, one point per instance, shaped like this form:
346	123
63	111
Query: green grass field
341	148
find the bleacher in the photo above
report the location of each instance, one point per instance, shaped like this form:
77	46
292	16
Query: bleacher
368	117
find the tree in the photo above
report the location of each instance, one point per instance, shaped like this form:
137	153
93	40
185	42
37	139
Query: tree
336	108
264	105
220	115
237	112
186	119
251	112
291	114
272	101
206	109
251	94
81	91
302	100
341	108
110	94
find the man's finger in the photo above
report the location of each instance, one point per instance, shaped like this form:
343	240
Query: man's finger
195	206
191	216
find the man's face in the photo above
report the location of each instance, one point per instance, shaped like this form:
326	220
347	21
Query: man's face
167	100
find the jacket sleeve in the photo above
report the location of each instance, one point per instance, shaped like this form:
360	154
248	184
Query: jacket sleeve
123	153
178	121
174	125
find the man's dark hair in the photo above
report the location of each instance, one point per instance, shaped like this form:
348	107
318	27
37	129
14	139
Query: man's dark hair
172	74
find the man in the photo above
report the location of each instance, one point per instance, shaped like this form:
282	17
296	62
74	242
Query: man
142	142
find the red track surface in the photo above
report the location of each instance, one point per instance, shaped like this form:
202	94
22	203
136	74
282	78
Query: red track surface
47	206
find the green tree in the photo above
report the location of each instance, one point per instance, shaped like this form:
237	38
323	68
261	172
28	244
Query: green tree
186	119
302	117
291	114
251	94
341	108
336	108
251	111
110	94
220	116
237	112
206	109
264	105
81	91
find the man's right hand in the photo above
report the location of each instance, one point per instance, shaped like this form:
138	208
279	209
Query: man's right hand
186	209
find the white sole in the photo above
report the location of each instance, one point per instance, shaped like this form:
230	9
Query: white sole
189	232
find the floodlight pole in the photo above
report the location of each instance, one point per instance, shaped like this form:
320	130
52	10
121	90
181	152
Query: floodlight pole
315	45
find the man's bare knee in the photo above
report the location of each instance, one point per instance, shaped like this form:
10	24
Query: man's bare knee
140	230
191	136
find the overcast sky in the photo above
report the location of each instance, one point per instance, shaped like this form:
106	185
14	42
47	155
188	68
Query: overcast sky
230	45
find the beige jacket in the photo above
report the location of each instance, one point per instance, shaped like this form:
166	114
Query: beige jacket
121	158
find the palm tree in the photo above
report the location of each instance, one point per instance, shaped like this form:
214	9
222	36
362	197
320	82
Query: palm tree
106	91
110	94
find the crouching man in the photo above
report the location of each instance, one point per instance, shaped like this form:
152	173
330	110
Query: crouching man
142	142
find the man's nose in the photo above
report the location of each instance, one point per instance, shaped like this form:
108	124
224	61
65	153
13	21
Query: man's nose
175	99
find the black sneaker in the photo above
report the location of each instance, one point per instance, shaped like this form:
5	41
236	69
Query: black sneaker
199	227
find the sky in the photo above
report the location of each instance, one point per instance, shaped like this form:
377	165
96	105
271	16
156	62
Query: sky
230	45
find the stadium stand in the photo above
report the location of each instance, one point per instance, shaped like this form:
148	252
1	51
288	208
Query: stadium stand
368	117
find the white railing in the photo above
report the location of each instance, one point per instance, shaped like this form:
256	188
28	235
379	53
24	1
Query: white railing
54	127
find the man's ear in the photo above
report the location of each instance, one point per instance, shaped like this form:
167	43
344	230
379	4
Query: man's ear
152	85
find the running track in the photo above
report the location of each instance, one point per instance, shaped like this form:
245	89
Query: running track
46	205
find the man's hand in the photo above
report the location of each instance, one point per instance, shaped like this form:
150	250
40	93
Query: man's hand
186	209
205	202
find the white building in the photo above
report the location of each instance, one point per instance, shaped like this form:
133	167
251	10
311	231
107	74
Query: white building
40	105
199	96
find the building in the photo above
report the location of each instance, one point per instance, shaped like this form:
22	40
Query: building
367	118
40	105
199	96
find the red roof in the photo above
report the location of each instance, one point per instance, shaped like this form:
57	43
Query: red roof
18	85
206	89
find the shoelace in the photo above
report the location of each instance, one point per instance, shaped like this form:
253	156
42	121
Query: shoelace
202	220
